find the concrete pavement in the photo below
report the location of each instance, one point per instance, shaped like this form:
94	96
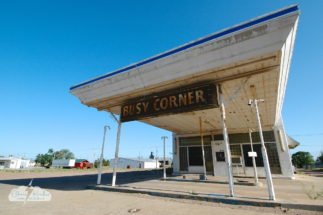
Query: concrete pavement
70	196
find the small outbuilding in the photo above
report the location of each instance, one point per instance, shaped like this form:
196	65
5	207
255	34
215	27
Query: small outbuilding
82	164
13	163
144	163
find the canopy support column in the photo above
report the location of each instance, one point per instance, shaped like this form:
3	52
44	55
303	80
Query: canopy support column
116	156
203	155
253	158
226	144
101	158
264	155
114	176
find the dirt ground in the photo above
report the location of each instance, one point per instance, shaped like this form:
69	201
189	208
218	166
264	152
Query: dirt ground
70	196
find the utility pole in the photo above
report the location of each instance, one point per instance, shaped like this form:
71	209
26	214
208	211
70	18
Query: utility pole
94	157
139	161
156	157
101	159
264	152
164	137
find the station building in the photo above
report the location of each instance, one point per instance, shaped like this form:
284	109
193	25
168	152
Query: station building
211	80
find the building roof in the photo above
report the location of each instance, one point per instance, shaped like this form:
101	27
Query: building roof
137	159
81	160
10	158
292	144
224	32
257	53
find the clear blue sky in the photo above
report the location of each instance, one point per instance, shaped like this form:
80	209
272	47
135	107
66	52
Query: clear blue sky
47	46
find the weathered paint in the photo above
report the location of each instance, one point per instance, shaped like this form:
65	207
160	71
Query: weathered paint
236	28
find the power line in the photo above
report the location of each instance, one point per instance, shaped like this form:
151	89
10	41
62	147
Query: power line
309	145
144	147
307	134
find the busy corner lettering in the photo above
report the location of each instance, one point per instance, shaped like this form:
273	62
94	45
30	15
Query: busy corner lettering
180	101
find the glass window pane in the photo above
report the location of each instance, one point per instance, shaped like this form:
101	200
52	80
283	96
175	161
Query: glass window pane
195	141
195	156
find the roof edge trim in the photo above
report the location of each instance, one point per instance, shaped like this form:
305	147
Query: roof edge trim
235	28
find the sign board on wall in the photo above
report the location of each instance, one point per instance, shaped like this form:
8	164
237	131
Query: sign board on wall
252	154
196	98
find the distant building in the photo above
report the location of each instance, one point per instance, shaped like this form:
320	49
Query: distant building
82	164
135	163
32	163
13	163
65	163
318	164
168	161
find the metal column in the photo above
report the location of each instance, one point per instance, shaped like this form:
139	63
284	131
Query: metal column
164	157
226	144
253	159
101	159
116	156
265	157
201	130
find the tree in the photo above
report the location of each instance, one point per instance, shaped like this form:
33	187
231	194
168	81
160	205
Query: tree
47	158
44	159
300	159
320	157
105	162
63	154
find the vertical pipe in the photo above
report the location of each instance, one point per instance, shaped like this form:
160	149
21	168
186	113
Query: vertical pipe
156	159
164	160
116	156
226	144
101	159
94	159
253	159
265	158
201	130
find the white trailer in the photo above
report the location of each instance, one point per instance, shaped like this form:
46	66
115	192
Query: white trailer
67	163
136	163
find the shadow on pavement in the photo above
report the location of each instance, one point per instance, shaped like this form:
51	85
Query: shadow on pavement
80	182
316	173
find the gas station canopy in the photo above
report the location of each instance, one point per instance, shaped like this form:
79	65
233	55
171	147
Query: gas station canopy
259	50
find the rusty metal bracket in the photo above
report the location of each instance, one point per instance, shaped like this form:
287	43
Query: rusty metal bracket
232	97
115	118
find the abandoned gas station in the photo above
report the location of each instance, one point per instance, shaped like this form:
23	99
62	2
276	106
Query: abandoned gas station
220	95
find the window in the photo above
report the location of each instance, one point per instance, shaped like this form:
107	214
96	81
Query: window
195	141
269	136
248	160
273	158
220	156
235	149
183	165
195	156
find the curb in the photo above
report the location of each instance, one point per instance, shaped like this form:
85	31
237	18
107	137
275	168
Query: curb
212	182
224	200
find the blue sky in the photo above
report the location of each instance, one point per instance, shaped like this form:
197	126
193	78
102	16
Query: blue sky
48	46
